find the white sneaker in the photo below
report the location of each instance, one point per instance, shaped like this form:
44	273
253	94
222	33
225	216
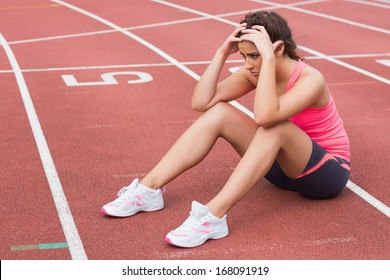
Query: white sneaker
200	226
133	199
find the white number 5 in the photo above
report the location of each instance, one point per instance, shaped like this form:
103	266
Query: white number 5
109	79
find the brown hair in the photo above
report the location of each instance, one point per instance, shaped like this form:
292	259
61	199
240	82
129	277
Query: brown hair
277	29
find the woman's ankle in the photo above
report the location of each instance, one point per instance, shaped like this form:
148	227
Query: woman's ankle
149	183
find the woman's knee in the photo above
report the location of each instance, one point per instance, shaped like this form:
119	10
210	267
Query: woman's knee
277	132
226	121
217	116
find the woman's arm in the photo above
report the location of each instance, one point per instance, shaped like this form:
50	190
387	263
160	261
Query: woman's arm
271	109
206	88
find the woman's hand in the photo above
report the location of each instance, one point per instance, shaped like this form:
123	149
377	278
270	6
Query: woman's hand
230	45
258	35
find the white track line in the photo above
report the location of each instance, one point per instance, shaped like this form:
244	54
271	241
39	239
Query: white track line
346	65
177	63
334	18
369	198
371	3
203	62
69	227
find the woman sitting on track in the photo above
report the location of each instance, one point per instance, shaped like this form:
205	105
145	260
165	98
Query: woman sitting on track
296	140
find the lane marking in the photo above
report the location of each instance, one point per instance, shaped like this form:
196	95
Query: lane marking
334	18
385	62
219	17
369	198
371	3
41	246
205	62
357	55
64	213
347	65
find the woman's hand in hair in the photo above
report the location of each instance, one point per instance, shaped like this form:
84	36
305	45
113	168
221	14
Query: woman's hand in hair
258	35
230	45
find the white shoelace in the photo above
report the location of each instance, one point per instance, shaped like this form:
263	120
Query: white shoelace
126	193
190	223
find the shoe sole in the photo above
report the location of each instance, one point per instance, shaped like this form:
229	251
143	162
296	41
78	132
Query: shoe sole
140	209
214	235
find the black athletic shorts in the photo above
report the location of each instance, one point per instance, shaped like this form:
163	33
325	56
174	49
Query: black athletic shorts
325	176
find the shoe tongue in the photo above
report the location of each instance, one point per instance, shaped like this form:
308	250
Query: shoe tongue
198	210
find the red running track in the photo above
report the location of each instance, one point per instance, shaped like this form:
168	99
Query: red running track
101	136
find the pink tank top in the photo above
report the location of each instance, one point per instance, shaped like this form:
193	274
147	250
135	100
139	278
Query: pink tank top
323	125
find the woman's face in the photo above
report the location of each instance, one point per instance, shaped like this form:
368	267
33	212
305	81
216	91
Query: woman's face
252	57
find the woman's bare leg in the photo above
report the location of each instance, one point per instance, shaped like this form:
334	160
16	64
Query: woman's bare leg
222	120
284	142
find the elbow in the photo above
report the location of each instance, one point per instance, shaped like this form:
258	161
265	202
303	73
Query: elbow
200	105
263	123
264	120
197	106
